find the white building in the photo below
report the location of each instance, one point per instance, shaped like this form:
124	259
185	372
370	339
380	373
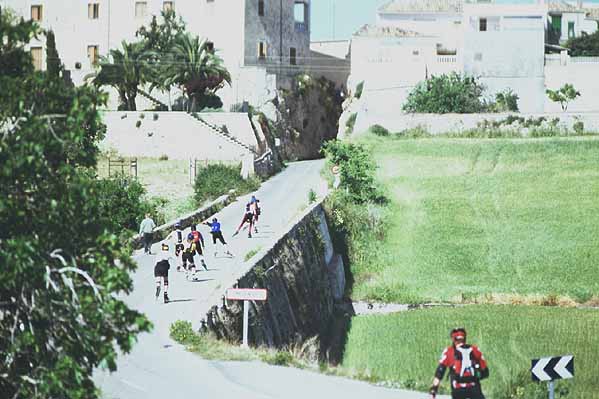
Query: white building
566	21
252	36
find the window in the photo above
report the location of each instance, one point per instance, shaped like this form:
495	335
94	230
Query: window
292	56
262	51
556	22
478	56
482	24
299	12
261	8
415	52
36	56
141	9
93	54
37	13
168	6
571	32
93	10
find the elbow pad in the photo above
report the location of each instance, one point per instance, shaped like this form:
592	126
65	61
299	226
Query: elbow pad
440	372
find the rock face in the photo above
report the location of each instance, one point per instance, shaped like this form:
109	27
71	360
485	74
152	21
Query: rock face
301	274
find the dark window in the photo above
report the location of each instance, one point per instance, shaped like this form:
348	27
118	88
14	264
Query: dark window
261	8
262	50
482	24
292	56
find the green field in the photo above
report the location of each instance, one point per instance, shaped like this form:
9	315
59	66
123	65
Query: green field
405	347
491	220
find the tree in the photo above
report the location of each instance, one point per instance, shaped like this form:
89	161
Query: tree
63	267
53	63
197	69
584	46
160	38
452	93
563	95
125	70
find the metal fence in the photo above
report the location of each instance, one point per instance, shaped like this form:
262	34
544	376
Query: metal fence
119	165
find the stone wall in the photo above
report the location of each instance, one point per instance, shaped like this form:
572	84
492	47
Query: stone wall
195	217
304	279
456	123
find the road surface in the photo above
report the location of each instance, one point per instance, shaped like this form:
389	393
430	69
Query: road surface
159	368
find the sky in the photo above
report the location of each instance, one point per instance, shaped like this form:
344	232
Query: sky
339	19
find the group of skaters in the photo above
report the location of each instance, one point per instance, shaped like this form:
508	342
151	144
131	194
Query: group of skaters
187	246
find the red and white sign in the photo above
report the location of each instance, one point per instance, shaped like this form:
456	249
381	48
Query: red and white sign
246	294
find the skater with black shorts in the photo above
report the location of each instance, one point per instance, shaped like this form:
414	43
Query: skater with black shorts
161	271
198	239
217	234
248	217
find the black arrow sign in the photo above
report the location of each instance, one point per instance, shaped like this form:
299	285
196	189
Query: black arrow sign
552	368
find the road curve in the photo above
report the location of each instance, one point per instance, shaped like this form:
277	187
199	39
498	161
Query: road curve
159	368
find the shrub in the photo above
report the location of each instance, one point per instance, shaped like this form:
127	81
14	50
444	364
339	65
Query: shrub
215	180
584	46
452	93
155	117
312	196
356	167
359	90
163	157
138	124
351	121
122	199
563	95
379	130
578	127
505	101
182	332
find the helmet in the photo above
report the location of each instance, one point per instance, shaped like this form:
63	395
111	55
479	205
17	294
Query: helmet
214	220
193	227
178	225
190	236
458	333
165	247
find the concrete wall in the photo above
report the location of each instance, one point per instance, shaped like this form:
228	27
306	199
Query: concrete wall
175	134
455	123
583	73
303	277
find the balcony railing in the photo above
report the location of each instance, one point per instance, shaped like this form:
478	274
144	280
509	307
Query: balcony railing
301	27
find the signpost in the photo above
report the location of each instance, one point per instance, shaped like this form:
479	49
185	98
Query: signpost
551	369
246	295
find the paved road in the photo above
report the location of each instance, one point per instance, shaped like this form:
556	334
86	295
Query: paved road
159	368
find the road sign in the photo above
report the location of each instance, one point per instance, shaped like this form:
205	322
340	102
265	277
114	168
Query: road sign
246	294
552	368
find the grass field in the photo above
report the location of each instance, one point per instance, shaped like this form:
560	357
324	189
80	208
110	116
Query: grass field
405	347
513	220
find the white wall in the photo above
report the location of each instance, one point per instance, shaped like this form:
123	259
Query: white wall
510	54
175	134
583	73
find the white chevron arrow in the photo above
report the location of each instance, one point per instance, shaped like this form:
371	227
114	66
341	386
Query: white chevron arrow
560	367
538	369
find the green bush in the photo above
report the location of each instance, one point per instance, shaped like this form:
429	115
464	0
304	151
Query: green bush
563	95
123	200
505	101
379	130
578	127
584	46
312	196
182	332
356	167
351	122
452	93
359	90
215	180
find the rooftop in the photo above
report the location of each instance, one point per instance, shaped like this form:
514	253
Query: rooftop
411	6
562	6
384	31
593	13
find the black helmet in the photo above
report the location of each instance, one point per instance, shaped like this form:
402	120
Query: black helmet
178	224
193	227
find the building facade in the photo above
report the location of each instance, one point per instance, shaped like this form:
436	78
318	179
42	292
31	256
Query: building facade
252	34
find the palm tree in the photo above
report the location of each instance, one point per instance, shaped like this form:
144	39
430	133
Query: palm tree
125	70
196	69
